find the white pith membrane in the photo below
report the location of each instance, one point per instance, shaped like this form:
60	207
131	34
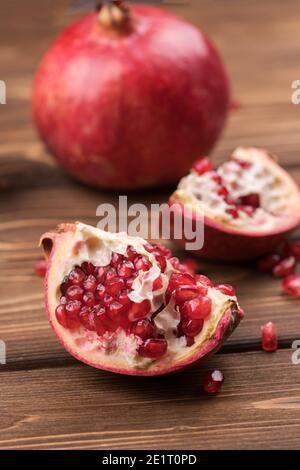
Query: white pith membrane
119	350
278	193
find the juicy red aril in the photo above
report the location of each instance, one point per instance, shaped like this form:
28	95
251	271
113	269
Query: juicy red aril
116	258
72	309
183	293
233	212
285	267
74	293
202	165
291	285
200	278
76	276
213	382
252	200
103	321
89	299
223	192
111	274
124	299
199	308
269	340
175	262
61	316
114	286
226	289
139	310
180	279
266	264
90	283
131	253
161	261
100	273
88	268
142	264
114	309
157	284
217	178
100	292
40	268
153	348
125	269
87	318
142	328
191	327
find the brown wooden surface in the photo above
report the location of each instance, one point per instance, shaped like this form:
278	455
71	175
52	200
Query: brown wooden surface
48	400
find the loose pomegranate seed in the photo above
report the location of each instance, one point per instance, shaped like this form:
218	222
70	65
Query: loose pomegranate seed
199	308
157	284
87	318
74	293
40	268
100	292
90	283
76	276
61	316
190	265
202	165
266	264
89	299
183	293
153	348
213	382
252	200
139	310
125	269
142	264
292	249
114	286
291	285
269	341
88	268
191	327
142	328
285	267
204	280
226	289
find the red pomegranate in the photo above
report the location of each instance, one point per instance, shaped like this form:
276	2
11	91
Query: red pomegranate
249	204
128	97
121	304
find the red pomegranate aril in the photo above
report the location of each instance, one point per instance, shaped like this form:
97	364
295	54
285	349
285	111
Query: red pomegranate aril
233	212
88	268
199	308
191	327
73	307
223	192
161	261
139	310
181	279
174	262
130	281
266	264
125	269
74	293
183	293
115	309
87	318
153	348
202	165
108	299
61	315
226	289
124	299
100	292
76	276
252	200
100	273
142	264
190	340
131	253
111	274
269	340
103	321
291	248
200	278
213	382
285	267
40	268
114	286
142	328
291	285
116	259
90	283
157	284
166	252
89	299
149	247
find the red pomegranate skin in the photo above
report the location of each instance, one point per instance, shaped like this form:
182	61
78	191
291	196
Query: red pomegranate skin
134	110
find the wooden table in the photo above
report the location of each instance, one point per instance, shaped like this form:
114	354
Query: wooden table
50	401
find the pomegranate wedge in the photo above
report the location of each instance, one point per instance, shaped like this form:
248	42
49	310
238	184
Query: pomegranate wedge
122	304
249	204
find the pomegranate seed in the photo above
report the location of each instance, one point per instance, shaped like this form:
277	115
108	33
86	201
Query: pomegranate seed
213	382
161	261
40	268
164	251
90	283
233	212
125	269
111	274
124	299
61	316
153	348
89	299
139	310
285	267
142	328
175	262
116	259
72	310
114	286
223	192
191	327
190	265
100	292
88	268
103	321
183	293
87	318
74	293
142	264
202	165
199	308
129	282
226	289
266	264
76	276
180	279
131	253
100	273
269	341
157	284
149	247
291	285
108	299
252	200
204	280
292	249
115	309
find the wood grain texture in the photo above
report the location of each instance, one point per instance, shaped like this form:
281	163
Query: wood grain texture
48	400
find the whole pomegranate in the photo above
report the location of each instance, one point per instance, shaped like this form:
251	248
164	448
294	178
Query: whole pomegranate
128	97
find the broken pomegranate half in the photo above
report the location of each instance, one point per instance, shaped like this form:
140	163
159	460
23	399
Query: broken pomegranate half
249	204
122	304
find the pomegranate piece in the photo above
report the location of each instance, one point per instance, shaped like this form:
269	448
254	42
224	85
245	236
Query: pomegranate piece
285	267
268	263
213	382
153	348
291	285
40	268
196	309
203	165
269	342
